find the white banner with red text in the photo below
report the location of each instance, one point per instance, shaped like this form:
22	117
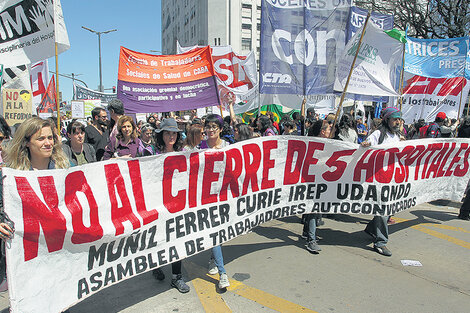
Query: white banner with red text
86	228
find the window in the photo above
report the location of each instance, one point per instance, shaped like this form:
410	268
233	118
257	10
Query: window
246	26
246	44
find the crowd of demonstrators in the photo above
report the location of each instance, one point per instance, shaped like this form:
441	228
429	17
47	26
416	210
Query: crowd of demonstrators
36	145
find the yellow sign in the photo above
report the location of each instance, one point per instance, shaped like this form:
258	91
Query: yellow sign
16	105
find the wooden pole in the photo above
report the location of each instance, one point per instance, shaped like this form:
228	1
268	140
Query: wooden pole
57	88
402	74
349	76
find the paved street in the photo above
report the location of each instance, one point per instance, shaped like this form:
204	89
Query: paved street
271	271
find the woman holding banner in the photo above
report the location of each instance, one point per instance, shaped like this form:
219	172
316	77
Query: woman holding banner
168	139
213	127
35	146
126	143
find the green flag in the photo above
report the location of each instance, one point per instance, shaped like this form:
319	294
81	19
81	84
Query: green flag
399	35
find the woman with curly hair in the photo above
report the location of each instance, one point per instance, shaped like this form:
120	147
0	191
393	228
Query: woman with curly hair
126	143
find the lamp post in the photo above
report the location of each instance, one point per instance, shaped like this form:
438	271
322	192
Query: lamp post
99	50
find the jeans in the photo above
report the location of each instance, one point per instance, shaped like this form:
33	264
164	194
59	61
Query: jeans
310	226
218	258
379	228
176	268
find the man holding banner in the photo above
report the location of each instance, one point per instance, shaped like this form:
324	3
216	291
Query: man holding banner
388	132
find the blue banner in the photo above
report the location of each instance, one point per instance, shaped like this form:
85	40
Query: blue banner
438	58
300	44
358	17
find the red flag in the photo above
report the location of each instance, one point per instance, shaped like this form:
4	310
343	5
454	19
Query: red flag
48	103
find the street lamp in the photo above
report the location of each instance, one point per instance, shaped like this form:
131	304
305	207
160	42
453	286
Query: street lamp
99	49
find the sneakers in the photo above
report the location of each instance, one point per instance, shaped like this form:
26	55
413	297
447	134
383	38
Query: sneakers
158	274
383	250
391	221
313	247
179	284
212	267
223	281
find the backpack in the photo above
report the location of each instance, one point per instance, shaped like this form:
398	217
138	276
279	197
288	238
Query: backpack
423	131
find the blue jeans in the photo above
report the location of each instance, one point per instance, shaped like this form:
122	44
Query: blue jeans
378	226
310	226
218	258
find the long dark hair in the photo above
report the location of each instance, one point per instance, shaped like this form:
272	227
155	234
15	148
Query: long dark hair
160	144
244	131
265	122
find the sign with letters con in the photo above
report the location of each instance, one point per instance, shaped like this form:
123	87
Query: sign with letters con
83	229
301	42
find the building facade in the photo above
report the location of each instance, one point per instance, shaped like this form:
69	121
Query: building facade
211	22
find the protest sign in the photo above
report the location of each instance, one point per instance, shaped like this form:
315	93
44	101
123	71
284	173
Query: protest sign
377	66
301	42
237	77
437	58
39	76
424	97
90	104
30	30
358	16
83	93
78	109
83	229
48	103
161	83
16	105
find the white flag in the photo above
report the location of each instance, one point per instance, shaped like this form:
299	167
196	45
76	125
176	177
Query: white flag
377	65
30	30
39	73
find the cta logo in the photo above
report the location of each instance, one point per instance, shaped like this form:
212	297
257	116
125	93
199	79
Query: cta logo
277	78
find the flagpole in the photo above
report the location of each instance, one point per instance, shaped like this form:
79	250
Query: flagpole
57	88
460	102
349	76
402	75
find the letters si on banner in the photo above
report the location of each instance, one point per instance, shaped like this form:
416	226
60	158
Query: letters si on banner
438	58
237	77
301	42
85	228
161	83
29	30
424	97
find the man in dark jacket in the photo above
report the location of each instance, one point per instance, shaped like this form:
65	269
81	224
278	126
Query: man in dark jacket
97	134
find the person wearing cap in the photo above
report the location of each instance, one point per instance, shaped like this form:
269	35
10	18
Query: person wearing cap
388	132
168	139
126	143
434	129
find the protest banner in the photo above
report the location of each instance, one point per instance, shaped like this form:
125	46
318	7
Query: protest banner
424	97
301	42
39	76
357	17
90	104
237	77
16	105
377	67
48	104
30	30
150	83
83	93
438	58
80	230
78	109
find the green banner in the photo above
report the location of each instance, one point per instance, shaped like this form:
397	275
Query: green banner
278	113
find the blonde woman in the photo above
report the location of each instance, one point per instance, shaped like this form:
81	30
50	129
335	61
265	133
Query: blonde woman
35	146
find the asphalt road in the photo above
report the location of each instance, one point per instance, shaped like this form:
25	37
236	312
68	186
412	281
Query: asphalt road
271	271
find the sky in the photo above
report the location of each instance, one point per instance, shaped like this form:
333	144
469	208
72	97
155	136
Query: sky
138	25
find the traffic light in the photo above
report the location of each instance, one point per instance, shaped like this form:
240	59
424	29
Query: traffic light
114	89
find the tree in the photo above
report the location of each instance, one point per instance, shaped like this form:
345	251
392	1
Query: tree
426	19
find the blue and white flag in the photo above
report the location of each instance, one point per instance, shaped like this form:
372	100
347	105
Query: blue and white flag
358	17
301	42
438	58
